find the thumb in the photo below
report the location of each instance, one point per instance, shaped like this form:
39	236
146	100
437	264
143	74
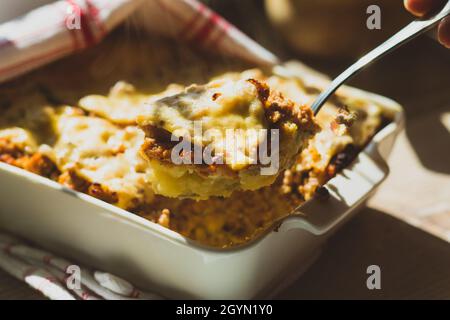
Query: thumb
444	32
421	8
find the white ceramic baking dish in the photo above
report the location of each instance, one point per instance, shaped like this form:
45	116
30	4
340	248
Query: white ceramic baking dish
103	236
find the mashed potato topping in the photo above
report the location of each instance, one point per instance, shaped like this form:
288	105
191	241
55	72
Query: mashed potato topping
230	123
98	151
123	103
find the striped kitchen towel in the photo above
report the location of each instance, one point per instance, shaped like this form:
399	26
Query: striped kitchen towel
58	279
58	29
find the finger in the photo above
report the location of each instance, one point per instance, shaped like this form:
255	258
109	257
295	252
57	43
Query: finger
421	8
444	32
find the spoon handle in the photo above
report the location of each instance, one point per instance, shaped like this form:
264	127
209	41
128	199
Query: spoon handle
406	34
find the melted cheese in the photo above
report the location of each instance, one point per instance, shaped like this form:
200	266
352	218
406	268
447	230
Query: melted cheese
103	153
218	106
230	117
123	103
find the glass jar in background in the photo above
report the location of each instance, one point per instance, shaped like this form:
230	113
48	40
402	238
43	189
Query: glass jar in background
334	28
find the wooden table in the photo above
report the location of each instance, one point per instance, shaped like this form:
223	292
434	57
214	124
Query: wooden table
406	227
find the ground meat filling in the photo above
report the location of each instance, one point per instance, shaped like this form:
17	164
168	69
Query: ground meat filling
279	110
36	163
10	153
41	165
158	146
74	181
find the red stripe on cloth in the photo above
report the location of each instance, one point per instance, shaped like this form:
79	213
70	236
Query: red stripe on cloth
85	23
223	27
193	22
45	56
10	42
87	17
94	13
72	32
203	34
89	37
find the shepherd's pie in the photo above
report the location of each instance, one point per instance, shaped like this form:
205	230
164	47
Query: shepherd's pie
68	128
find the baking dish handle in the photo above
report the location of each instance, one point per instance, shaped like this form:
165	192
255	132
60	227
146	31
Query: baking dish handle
348	189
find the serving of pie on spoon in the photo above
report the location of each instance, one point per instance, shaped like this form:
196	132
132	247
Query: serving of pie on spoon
227	135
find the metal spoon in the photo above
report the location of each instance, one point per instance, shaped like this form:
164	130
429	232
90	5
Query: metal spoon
408	33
